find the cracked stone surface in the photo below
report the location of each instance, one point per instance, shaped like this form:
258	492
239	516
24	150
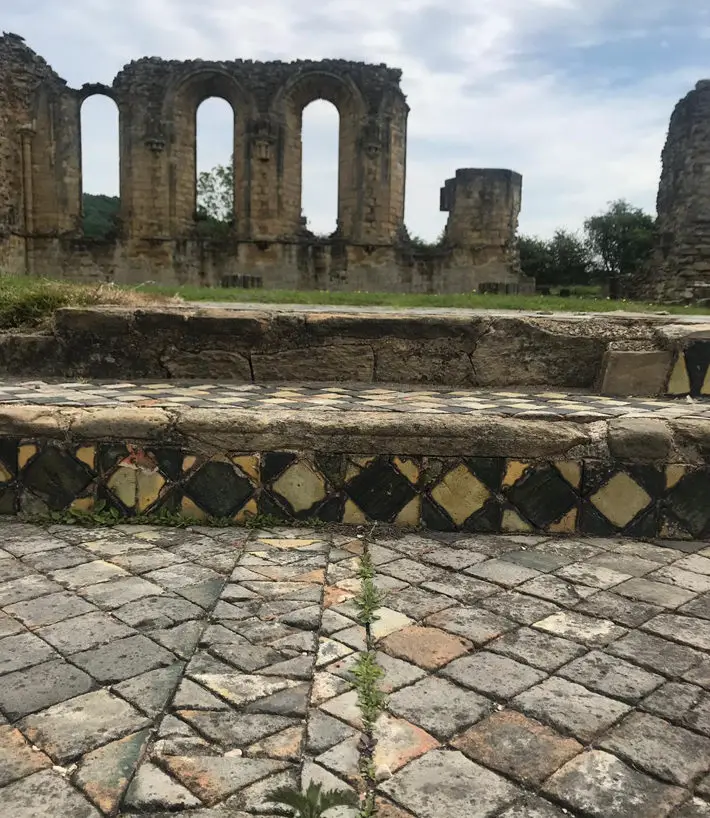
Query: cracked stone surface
153	672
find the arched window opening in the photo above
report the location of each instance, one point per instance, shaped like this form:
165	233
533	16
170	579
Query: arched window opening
214	165
320	136
100	168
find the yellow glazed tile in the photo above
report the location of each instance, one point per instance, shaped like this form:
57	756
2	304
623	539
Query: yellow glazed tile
249	510
24	453
5	475
705	388
351	471
408	468
513	523
352	514
87	454
301	486
191	510
188	462
621	499
679	383
249	464
148	487
82	504
460	494
123	483
565	525
571	471
363	461
411	513
514	472
674	474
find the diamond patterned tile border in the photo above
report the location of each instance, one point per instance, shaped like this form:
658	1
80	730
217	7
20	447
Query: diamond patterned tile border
486	495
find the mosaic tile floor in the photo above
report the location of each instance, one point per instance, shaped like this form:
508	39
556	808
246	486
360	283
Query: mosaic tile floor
371	398
153	671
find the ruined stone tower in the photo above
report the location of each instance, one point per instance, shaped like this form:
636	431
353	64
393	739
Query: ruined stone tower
158	237
680	268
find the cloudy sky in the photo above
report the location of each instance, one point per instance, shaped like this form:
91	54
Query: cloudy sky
573	94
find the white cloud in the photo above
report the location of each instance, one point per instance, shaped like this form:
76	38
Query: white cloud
488	85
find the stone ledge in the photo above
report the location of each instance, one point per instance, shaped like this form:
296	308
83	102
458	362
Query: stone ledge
624	354
636	477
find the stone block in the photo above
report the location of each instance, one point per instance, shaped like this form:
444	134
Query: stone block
334	362
631	372
429	363
639	439
214	364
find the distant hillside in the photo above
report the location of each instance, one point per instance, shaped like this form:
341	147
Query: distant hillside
100	215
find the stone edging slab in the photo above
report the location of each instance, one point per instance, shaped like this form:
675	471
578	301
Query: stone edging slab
636	476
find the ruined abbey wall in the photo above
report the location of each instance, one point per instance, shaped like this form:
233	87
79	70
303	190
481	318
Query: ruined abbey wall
269	245
680	268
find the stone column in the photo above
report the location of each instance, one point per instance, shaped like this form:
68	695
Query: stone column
381	161
680	268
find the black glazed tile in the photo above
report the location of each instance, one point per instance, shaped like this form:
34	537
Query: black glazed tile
56	477
543	495
332	509
275	463
689	502
486	520
332	467
489	470
267	506
218	490
435	518
380	490
8	500
645	524
108	454
169	461
593	522
697	361
8	454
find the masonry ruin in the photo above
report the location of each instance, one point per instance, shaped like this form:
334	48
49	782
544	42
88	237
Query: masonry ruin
680	266
268	244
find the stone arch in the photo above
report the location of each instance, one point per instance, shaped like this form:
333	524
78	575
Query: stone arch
180	110
296	93
87	92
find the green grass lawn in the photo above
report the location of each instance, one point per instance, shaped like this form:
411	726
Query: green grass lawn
30	302
575	303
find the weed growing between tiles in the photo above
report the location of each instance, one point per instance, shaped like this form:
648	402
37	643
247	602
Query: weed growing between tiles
371	700
106	516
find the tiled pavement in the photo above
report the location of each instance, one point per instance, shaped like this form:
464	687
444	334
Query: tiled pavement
572	405
148	671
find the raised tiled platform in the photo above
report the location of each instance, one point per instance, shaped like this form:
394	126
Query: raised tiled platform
445	461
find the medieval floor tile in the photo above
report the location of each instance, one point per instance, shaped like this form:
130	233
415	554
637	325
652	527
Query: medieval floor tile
105	773
17	758
570	707
611	676
600	785
655	593
152	789
45	795
517	746
580	628
46	610
479	626
429	648
498	676
67	730
438	706
542	650
31	689
443	782
212	779
664	750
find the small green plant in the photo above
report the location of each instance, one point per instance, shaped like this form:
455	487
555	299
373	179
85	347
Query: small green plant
314	801
371	700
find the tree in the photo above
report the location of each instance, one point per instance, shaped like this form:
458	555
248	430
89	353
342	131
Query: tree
314	801
215	194
100	215
621	240
564	259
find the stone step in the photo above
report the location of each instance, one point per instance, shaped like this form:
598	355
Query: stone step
617	354
446	460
